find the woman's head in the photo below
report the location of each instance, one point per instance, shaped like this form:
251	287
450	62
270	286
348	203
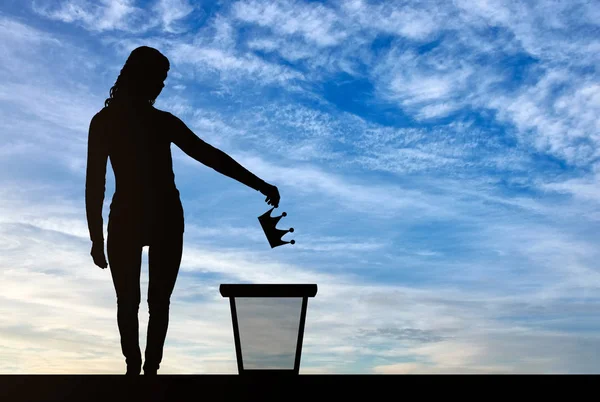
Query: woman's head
141	77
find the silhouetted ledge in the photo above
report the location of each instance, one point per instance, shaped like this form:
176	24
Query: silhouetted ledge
305	387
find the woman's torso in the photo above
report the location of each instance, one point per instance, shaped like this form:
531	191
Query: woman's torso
139	149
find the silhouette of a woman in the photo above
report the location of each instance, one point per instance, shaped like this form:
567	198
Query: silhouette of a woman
146	209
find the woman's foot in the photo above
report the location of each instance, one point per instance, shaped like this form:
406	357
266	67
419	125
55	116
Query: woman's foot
133	370
150	368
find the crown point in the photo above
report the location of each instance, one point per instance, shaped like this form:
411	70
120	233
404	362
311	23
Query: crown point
284	214
292	242
291	230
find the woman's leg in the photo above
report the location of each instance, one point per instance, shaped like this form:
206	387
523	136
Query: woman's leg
125	260
164	258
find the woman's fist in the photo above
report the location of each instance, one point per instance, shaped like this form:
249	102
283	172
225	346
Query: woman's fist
272	194
97	254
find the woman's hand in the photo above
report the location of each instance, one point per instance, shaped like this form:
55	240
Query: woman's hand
97	254
272	194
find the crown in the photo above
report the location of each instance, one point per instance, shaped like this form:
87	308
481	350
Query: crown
273	234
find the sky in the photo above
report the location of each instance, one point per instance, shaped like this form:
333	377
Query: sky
438	161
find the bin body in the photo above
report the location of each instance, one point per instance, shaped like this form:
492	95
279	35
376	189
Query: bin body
268	326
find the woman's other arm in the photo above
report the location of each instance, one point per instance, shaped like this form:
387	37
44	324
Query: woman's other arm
218	160
95	181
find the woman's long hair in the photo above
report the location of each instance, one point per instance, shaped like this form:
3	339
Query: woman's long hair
144	68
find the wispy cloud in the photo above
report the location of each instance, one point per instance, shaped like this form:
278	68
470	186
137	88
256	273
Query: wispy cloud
316	23
108	15
171	11
232	66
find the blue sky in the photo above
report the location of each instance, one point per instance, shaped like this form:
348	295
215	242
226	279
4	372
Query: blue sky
438	160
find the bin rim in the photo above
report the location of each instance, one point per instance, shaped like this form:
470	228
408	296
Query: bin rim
268	290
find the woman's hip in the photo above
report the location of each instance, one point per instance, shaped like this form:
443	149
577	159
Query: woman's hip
126	229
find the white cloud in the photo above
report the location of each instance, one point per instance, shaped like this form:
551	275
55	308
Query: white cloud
19	41
171	11
543	29
587	188
395	18
106	16
231	66
565	125
316	23
436	110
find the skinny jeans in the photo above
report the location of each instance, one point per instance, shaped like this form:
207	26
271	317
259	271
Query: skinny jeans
126	238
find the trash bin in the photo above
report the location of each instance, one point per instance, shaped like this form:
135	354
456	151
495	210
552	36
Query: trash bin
268	325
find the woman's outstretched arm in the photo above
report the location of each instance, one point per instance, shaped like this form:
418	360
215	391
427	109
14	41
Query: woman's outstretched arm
213	157
95	181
